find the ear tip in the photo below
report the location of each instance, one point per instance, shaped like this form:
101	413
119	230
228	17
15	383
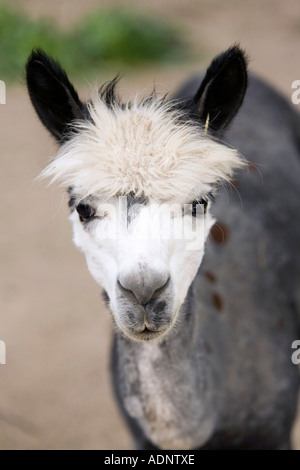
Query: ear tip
237	52
39	58
36	54
33	65
233	55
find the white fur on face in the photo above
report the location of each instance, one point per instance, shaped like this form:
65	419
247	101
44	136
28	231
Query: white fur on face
147	240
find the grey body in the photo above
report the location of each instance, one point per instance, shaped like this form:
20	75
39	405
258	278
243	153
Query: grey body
225	378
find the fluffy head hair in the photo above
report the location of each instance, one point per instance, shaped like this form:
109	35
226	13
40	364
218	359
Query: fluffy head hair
146	147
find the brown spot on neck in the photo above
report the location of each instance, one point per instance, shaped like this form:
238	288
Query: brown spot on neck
210	277
217	301
219	233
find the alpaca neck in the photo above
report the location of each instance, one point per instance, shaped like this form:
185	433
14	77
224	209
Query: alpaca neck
169	387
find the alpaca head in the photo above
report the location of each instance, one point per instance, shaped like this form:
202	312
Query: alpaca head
141	177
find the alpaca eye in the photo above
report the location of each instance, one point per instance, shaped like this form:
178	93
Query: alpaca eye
85	212
201	201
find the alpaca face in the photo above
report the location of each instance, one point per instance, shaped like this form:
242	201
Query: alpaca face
145	255
141	180
140	176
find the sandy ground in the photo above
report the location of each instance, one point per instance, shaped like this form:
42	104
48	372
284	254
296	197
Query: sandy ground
55	388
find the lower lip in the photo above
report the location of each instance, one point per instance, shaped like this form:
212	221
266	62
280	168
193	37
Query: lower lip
146	335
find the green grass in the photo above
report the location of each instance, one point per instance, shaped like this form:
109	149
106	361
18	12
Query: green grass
105	37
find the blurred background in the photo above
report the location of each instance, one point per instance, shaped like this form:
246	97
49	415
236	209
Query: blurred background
55	389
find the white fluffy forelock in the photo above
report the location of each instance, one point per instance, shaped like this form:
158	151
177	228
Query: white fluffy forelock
144	148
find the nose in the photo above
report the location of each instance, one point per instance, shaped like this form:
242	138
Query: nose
144	282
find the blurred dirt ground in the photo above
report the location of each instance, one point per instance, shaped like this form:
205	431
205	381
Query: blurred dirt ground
55	388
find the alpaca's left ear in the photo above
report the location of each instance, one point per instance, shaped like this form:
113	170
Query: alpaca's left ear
52	95
223	88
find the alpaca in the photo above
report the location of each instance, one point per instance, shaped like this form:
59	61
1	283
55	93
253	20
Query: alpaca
201	355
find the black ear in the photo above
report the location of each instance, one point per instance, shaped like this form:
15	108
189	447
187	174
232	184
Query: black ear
52	95
223	88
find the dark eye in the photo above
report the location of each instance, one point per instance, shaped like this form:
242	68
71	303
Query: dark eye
85	212
201	201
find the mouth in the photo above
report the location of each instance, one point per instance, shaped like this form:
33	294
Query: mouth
146	334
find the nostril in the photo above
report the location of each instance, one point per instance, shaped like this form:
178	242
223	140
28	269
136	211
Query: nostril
120	285
163	286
